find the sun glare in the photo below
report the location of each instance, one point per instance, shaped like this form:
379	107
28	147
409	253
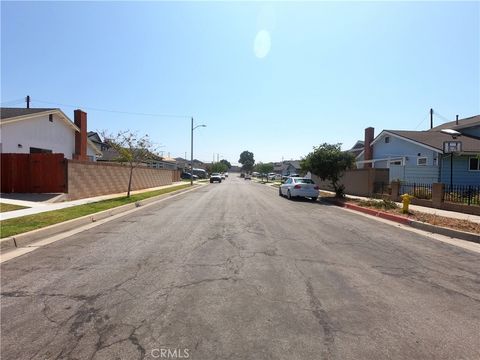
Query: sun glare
262	44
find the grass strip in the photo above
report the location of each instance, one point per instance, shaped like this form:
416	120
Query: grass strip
10	207
26	223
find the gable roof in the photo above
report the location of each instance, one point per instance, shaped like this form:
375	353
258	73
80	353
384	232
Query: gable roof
6	113
360	144
294	163
432	139
462	124
12	115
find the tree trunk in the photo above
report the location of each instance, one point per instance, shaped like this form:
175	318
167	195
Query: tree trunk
130	181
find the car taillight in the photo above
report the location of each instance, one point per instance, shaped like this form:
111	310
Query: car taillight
316	187
297	187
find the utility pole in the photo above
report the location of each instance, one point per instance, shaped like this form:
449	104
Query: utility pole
27	99
431	118
191	157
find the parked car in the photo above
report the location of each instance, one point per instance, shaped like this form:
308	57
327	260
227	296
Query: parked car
226	174
247	177
299	187
215	177
223	176
285	177
255	174
187	175
274	176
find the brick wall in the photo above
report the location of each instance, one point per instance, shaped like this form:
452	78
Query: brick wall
87	179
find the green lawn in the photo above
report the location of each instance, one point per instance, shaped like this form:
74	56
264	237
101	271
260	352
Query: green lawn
31	222
9	207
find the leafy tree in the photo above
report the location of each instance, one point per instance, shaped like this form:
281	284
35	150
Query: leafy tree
247	160
218	167
328	162
226	162
132	149
264	168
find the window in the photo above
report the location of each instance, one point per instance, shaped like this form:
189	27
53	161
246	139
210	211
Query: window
304	181
34	150
474	164
387	139
422	161
396	162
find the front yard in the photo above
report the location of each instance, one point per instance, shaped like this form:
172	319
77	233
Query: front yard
391	207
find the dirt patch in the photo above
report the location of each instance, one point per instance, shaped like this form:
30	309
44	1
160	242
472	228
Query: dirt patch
390	207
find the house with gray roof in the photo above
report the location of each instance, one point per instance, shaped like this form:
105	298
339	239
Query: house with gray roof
46	130
421	156
287	167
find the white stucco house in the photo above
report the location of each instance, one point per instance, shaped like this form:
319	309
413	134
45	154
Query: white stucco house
42	130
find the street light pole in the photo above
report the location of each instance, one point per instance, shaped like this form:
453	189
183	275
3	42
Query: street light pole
451	147
191	157
191	151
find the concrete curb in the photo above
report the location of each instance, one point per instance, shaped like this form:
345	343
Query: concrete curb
405	221
24	239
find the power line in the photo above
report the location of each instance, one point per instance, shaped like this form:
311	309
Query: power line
115	111
421	122
442	117
13	102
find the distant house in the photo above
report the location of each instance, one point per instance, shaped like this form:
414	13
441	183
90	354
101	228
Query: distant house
109	154
418	156
161	162
184	164
286	168
357	148
46	130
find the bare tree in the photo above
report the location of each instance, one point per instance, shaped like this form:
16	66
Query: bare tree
132	149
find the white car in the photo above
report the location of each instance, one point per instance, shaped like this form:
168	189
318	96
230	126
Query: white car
215	177
299	187
273	176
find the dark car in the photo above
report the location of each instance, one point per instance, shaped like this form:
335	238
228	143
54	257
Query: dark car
187	175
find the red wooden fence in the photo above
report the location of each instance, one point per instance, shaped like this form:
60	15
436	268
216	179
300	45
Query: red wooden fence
33	173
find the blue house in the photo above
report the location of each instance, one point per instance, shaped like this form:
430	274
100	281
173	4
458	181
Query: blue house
419	156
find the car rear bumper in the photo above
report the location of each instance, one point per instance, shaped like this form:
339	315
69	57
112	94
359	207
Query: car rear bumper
305	193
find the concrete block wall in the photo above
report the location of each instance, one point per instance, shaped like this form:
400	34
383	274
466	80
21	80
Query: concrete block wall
358	182
87	179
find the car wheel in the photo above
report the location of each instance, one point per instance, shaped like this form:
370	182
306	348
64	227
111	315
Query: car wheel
211	181
314	198
280	192
289	196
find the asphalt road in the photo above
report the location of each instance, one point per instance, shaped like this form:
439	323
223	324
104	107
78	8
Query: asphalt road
233	271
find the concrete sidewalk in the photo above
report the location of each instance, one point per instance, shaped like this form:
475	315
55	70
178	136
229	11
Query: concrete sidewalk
36	207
